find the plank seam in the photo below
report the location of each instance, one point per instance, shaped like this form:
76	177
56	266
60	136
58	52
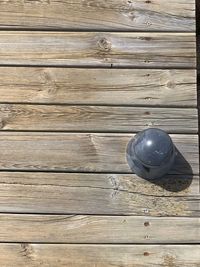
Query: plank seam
155	106
103	244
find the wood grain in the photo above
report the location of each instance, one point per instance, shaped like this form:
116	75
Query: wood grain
82	152
96	118
99	15
62	184
55	255
98	229
103	49
111	194
171	88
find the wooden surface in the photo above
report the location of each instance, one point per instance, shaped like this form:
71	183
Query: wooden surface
103	49
132	87
96	119
100	255
99	15
83	152
78	79
106	194
96	229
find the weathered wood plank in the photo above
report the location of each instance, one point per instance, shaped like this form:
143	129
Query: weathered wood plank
148	50
156	15
96	118
55	255
98	229
82	152
98	86
116	194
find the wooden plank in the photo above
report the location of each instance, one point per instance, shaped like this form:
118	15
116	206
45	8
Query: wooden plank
96	118
83	15
98	229
55	255
174	88
116	194
83	152
158	50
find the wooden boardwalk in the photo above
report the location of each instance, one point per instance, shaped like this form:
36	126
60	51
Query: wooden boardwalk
77	80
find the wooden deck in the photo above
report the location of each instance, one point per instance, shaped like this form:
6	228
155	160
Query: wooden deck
77	80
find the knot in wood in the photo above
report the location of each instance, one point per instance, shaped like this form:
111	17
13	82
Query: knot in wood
146	253
146	224
145	38
2	123
104	45
171	85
